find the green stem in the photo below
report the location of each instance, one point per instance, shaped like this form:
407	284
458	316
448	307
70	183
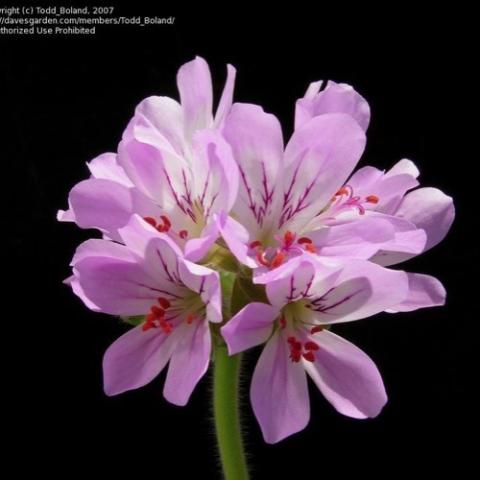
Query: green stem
226	413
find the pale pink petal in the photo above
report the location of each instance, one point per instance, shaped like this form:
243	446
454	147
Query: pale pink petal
335	98
189	362
116	286
227	97
361	289
328	148
431	210
107	205
251	326
423	291
236	237
166	115
196	248
279	392
257	144
135	359
360	239
215	173
346	376
195	86
205	282
106	166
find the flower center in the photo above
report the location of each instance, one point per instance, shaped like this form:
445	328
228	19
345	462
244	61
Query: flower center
167	314
345	199
287	246
293	323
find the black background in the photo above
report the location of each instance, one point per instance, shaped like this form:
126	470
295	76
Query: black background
66	100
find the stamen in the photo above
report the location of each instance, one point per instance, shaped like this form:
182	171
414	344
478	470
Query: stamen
151	221
303	240
309	247
255	244
342	191
289	237
157	311
166	224
183	234
283	323
316	329
163	302
372	199
278	259
310	356
311	346
261	258
190	318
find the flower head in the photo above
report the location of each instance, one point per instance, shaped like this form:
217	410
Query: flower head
307	296
176	299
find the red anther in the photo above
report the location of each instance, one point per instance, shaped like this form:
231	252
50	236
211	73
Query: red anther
278	259
255	244
372	199
291	340
342	191
150	317
316	329
295	355
183	234
166	221
166	326
309	356
309	247
289	237
311	346
304	240
147	326
151	221
157	311
297	346
261	258
283	322
164	303
190	318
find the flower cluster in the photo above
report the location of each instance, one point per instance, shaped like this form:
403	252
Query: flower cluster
215	231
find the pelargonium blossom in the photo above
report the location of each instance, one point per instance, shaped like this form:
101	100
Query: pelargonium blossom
191	199
307	295
173	168
300	198
148	276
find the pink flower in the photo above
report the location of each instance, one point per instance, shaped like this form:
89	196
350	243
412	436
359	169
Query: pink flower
149	277
307	295
298	198
173	167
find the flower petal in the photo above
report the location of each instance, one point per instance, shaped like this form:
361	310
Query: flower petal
431	210
215	173
251	326
206	282
335	98
257	144
195	86
328	148
116	286
106	166
423	291
361	238
189	362
166	116
361	289
107	205
227	96
346	376
279	392
135	359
